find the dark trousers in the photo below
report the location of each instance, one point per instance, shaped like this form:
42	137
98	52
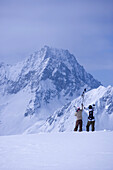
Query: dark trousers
78	123
92	123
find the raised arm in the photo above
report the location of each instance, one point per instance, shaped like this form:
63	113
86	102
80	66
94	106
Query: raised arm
82	106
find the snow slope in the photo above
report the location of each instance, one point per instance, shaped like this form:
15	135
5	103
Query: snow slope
57	151
64	120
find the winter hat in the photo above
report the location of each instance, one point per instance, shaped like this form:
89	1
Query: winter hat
78	108
90	107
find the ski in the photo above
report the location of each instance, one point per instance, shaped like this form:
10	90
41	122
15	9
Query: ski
83	93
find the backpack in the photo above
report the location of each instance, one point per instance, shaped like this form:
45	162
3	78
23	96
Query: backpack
91	117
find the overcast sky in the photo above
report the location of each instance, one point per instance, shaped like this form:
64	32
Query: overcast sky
84	27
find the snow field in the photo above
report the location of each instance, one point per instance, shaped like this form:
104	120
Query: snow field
57	151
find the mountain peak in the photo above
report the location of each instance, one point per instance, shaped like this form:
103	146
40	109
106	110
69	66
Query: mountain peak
60	54
51	74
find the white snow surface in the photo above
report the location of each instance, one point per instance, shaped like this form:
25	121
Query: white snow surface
57	151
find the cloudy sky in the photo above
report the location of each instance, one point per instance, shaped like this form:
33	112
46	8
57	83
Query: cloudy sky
84	27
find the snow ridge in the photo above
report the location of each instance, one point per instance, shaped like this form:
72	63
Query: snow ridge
63	120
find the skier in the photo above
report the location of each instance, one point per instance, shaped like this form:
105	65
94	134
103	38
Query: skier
91	119
78	113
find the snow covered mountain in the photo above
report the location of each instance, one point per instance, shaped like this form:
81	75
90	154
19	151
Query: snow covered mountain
34	89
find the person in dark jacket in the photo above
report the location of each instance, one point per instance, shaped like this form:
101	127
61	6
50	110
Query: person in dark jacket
91	118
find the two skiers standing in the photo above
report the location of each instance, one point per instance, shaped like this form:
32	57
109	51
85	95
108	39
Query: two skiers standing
91	119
